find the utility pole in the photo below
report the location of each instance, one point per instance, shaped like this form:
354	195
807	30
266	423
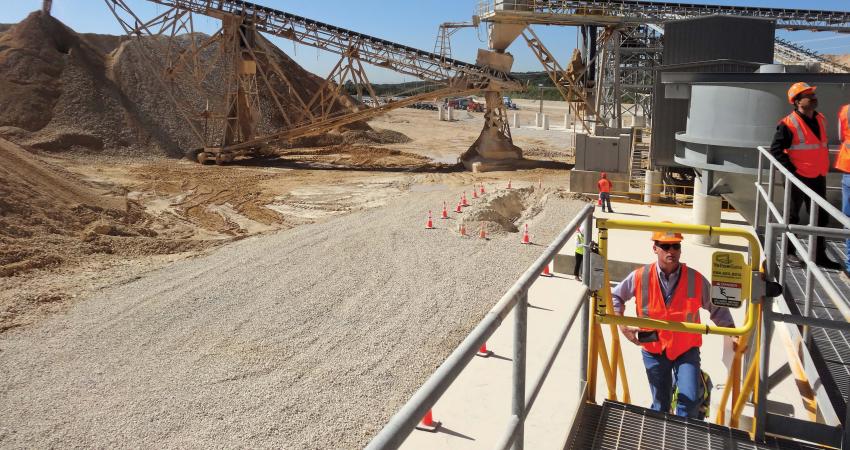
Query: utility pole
45	6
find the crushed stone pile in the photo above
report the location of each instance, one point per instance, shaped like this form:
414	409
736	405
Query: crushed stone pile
64	91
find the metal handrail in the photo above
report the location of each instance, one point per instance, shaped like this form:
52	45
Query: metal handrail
404	421
820	201
776	225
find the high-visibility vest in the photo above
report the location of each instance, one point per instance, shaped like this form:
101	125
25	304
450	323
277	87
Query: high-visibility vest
579	243
809	154
842	163
684	307
604	185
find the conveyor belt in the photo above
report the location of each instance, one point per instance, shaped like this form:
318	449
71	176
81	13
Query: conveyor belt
830	349
620	426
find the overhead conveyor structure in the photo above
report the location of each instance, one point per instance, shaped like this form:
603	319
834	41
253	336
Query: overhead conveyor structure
227	127
628	50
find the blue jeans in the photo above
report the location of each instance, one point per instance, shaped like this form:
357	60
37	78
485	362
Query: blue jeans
606	200
684	372
845	207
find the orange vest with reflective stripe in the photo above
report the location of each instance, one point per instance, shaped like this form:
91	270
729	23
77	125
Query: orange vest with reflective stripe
808	153
843	161
604	185
684	307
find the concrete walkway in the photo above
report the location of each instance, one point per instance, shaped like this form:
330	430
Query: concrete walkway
476	408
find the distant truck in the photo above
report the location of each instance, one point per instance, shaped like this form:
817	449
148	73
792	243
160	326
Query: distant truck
509	104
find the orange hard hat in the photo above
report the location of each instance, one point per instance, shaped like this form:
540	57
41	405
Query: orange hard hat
799	88
666	236
603	174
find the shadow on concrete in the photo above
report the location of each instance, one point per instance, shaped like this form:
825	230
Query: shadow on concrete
497	356
630	214
450	432
538	307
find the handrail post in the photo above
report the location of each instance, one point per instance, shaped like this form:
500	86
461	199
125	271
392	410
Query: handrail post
520	338
585	309
807	297
786	210
764	347
758	195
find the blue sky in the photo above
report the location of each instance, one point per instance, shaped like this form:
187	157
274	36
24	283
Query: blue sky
410	22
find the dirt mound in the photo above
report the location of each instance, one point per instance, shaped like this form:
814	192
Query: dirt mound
504	211
64	91
843	59
49	218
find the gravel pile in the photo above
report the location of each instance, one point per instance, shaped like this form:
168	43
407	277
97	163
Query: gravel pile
308	338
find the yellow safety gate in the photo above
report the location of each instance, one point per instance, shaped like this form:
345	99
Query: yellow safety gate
603	313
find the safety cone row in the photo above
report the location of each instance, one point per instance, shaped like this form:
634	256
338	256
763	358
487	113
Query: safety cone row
428	423
445	214
526	239
474	192
459	208
463	201
429	225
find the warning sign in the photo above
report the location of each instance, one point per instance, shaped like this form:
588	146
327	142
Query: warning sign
728	279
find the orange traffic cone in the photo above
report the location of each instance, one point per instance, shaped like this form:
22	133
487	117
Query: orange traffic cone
526	239
458	208
463	201
483	352
546	272
509	183
445	214
428	423
482	188
474	193
599	201
482	232
430	223
462	229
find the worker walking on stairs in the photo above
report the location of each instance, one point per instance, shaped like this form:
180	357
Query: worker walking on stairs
842	163
604	185
800	144
669	290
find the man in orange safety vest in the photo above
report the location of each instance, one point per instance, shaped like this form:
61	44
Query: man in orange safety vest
669	290
800	144
842	163
604	185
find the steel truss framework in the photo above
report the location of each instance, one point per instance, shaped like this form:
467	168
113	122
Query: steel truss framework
630	47
238	61
637	12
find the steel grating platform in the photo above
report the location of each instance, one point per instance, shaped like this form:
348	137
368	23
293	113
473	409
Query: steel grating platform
830	349
617	425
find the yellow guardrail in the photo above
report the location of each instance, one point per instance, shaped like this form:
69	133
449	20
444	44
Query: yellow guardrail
603	313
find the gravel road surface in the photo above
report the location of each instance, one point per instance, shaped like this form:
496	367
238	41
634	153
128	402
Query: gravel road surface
308	338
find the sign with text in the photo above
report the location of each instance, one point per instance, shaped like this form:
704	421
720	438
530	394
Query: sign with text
728	279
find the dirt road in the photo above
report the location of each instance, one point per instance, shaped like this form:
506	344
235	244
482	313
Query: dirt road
307	338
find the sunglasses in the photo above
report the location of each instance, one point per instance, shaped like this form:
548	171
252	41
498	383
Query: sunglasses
667	247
